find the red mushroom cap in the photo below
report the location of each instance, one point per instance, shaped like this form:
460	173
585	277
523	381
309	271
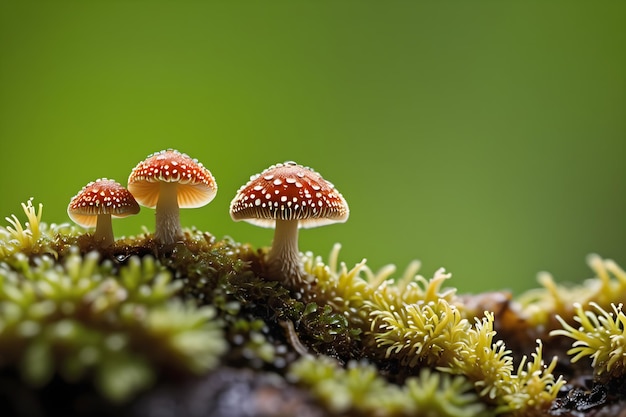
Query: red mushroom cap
102	196
196	185
289	191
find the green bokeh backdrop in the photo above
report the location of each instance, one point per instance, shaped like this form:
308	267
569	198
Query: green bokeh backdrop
485	137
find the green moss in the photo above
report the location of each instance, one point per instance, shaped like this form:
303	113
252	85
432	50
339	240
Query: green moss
359	389
601	336
128	317
414	323
541	306
84	317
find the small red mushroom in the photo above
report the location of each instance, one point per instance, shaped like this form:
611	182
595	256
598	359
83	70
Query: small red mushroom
96	203
169	180
288	196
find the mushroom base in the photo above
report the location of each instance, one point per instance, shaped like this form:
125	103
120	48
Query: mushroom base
289	272
283	261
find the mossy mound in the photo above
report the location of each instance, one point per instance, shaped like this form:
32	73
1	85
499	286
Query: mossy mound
196	328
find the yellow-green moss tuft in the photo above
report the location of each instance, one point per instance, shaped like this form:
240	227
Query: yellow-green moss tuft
601	336
34	237
85	317
359	389
413	323
540	306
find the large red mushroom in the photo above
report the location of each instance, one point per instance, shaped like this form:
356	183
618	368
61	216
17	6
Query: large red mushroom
288	196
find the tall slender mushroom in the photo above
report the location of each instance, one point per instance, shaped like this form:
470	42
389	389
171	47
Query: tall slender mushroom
169	180
96	203
288	196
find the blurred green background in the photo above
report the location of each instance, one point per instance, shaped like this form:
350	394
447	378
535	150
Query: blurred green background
485	137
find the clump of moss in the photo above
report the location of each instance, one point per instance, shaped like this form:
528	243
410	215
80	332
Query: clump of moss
414	323
601	336
424	333
359	389
435	334
83	317
541	306
291	324
34	237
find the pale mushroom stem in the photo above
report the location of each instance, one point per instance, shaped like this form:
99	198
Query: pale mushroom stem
284	258
104	230
167	228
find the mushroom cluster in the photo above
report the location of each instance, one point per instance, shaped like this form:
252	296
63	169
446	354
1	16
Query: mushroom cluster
165	180
286	196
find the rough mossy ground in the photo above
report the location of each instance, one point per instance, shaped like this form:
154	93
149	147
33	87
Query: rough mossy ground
195	328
